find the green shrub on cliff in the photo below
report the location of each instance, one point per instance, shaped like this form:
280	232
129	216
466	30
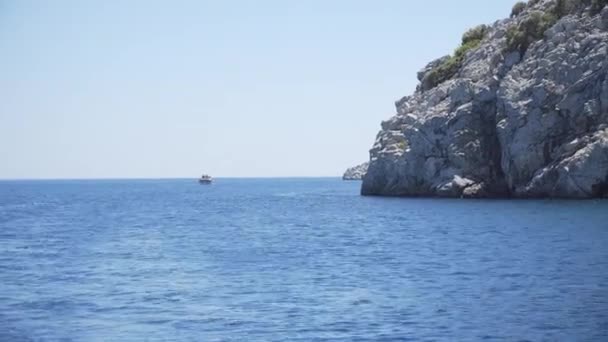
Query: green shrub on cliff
533	27
529	30
518	8
475	34
448	69
441	73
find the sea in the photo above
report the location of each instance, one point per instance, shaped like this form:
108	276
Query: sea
294	259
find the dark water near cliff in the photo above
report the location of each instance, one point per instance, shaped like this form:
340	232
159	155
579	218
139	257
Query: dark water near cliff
294	260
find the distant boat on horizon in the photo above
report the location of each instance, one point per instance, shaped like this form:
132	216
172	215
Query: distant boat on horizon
205	179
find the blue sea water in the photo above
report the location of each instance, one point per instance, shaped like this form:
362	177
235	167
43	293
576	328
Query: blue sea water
294	260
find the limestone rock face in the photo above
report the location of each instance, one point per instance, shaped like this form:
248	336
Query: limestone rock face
507	124
356	172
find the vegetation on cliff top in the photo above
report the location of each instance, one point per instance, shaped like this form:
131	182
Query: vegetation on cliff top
519	37
448	69
529	30
533	27
518	8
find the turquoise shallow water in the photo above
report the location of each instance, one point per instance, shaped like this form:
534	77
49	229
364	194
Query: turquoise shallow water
294	260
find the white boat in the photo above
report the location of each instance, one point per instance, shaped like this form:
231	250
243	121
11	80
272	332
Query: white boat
205	179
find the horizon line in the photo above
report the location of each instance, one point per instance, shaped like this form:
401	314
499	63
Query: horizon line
158	178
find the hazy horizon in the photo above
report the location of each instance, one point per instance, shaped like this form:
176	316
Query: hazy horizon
162	178
235	89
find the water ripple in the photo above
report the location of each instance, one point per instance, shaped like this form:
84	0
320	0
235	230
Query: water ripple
294	260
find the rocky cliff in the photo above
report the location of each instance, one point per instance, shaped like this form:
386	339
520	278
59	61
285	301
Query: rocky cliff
356	172
519	110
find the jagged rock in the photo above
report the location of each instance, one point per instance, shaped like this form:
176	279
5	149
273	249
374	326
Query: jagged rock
531	125
356	172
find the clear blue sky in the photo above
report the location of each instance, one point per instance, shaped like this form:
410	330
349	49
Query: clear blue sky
104	89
